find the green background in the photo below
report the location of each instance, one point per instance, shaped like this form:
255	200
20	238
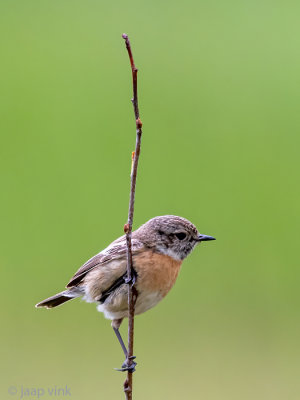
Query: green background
219	100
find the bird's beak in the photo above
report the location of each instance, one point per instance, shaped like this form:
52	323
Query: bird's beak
202	238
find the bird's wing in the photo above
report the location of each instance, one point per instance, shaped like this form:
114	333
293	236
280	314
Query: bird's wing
116	250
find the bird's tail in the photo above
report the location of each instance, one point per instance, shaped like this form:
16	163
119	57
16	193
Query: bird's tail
60	298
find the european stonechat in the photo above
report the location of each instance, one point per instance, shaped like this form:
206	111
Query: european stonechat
158	249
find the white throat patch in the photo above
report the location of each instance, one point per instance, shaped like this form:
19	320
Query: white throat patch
171	253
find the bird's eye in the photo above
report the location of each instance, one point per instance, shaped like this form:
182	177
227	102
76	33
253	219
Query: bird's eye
180	235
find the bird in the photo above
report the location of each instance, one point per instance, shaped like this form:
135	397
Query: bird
158	249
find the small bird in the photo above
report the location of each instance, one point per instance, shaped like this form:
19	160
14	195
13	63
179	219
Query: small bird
158	249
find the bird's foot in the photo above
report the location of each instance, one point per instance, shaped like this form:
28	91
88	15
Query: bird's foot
126	367
132	280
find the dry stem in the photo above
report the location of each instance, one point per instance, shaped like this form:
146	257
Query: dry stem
132	293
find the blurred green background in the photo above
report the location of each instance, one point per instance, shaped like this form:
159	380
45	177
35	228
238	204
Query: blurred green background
219	98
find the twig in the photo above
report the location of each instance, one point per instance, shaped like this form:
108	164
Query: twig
132	293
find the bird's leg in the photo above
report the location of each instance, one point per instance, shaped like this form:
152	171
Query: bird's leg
115	325
125	367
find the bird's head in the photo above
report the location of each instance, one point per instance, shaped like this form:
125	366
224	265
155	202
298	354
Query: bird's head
170	235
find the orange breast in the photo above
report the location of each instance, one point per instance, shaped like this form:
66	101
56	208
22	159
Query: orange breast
156	272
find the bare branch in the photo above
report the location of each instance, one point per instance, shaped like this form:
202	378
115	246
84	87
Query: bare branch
132	292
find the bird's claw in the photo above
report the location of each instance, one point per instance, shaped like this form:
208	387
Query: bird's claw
132	280
125	367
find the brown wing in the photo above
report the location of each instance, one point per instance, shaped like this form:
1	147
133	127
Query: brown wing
114	251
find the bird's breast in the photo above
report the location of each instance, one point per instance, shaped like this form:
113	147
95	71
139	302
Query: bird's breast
156	273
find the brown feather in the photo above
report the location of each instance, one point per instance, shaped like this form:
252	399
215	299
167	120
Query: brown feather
116	251
54	301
